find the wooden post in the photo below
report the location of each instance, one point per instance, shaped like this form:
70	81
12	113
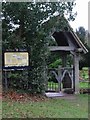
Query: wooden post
59	73
64	59
76	73
6	83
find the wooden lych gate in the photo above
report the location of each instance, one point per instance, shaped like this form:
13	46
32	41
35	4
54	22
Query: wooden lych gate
67	43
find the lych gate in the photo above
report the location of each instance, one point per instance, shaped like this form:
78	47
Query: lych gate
67	43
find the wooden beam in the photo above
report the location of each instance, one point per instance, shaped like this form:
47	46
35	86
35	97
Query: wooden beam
76	73
61	48
64	60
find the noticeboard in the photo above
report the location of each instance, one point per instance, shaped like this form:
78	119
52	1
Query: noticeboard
16	59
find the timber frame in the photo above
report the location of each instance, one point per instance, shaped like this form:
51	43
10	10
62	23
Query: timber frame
69	43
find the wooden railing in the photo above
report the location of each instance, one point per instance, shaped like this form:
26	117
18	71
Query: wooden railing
59	74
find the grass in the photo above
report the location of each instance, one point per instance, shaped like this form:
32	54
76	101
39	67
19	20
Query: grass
0	109
84	85
52	108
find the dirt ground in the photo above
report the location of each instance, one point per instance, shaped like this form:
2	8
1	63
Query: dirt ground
12	95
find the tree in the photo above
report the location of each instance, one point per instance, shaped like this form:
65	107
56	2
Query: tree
84	35
81	32
24	28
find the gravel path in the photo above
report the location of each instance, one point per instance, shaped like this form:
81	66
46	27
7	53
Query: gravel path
60	95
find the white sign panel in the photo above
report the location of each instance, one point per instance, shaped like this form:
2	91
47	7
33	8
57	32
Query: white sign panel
16	59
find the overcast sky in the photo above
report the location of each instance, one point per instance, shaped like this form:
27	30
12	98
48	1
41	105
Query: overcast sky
82	14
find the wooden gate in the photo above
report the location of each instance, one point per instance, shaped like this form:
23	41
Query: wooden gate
60	78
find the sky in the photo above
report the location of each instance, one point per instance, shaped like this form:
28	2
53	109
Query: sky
82	14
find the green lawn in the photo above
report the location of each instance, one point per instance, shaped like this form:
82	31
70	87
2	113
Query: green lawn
0	109
84	85
51	108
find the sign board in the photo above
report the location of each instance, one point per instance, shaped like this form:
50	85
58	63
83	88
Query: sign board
16	59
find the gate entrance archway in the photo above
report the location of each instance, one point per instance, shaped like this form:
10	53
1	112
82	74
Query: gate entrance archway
67	43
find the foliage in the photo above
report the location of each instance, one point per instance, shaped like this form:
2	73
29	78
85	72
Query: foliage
16	79
84	62
55	64
81	32
84	85
84	36
84	73
24	27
